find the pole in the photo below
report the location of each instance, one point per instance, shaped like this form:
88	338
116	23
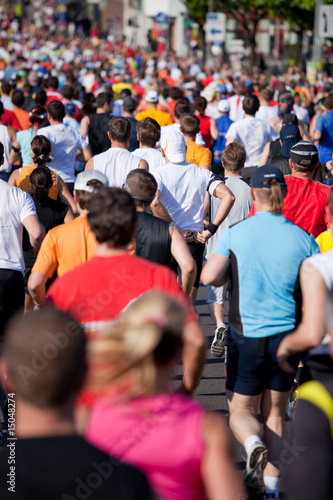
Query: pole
316	53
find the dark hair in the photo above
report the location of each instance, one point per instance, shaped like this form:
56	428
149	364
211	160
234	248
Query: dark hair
56	110
41	98
6	87
328	102
251	104
41	181
41	150
142	184
37	115
2	110
182	107
2	151
190	124
18	98
149	132
112	217
120	129
267	94
233	157
200	104
67	92
53	82
176	93
56	342
103	98
27	88
84	197
330	198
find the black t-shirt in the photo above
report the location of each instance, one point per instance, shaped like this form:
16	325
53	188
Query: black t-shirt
133	143
153	241
98	132
67	468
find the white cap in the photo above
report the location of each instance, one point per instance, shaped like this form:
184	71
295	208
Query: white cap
152	96
223	106
88	175
174	147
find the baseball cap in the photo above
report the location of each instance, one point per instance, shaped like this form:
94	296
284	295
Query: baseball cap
266	173
304	154
69	108
88	175
152	96
173	144
289	135
223	106
129	104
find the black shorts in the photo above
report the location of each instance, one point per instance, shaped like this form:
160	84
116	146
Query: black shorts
11	295
197	251
252	367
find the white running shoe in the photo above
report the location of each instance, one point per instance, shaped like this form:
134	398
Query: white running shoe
218	345
255	464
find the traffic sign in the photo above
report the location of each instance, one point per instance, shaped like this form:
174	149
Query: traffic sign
326	21
215	27
161	18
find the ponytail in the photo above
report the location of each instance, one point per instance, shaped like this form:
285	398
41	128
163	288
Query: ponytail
276	196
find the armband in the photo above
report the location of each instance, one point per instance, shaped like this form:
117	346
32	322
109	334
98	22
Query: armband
212	228
17	150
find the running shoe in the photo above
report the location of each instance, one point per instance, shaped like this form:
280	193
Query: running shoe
255	464
218	345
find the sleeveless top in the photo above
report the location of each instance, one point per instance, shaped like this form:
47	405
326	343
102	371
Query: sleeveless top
24	138
116	163
153	239
161	435
23	181
205	130
98	132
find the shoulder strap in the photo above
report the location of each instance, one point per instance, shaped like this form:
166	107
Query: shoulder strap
213	179
314	392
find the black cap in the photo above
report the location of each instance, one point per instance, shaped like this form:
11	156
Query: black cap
289	119
129	104
304	154
289	136
266	173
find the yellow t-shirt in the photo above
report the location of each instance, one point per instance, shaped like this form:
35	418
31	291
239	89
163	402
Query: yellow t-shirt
325	241
161	117
65	247
23	181
199	155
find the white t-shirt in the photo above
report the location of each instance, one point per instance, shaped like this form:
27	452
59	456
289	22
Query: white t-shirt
116	164
183	188
253	134
152	156
236	107
7	144
65	142
15	206
265	113
175	127
302	114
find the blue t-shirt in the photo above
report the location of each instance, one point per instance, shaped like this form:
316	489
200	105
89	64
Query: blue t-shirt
223	123
324	124
265	253
24	138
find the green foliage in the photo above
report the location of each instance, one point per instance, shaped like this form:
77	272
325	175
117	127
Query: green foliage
197	9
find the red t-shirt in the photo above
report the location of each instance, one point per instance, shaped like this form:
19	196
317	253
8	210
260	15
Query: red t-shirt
96	292
8	118
205	130
305	205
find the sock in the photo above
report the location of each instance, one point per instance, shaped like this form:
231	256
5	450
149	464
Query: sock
221	324
272	485
250	441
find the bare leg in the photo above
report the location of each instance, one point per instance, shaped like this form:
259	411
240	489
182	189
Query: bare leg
217	312
193	295
243	419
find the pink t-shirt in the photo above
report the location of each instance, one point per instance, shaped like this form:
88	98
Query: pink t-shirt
161	435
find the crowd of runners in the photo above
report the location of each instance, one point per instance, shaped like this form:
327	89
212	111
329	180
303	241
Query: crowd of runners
127	179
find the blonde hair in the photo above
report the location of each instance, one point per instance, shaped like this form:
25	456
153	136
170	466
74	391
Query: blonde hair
273	196
126	355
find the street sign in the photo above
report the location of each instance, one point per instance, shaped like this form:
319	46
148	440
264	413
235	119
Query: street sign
161	18
215	27
326	21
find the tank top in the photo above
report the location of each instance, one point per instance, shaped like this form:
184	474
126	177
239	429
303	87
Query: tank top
98	132
153	239
205	130
116	163
23	181
7	144
161	435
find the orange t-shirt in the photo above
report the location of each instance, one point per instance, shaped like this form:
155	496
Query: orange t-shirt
65	247
199	155
161	118
23	118
23	181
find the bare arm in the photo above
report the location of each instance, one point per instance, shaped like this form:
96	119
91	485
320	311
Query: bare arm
194	355
227	200
66	196
14	177
230	140
215	270
316	136
264	156
12	153
90	164
35	230
312	329
182	255
218	470
85	122
213	129
158	208
36	287
87	154
143	164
